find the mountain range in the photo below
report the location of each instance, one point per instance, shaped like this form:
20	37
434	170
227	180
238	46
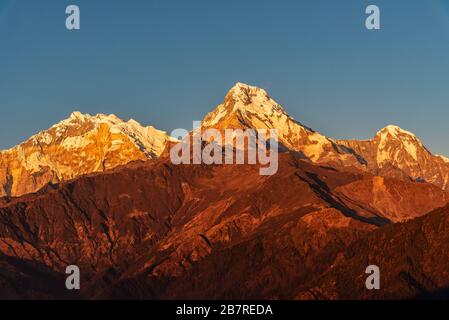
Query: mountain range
102	193
85	144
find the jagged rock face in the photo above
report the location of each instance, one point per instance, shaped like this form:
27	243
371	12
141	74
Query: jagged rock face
395	152
156	230
251	107
79	145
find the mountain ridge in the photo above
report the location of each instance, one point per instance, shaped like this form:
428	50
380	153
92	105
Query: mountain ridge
82	144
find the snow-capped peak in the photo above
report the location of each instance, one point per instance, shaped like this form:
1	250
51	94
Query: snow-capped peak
80	144
248	106
246	93
394	131
246	98
148	139
251	105
81	130
390	138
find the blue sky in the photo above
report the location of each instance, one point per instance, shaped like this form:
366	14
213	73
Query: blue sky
167	63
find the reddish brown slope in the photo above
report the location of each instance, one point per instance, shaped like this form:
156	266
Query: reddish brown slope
156	230
413	258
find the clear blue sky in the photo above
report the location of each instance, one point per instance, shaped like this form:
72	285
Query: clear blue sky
167	63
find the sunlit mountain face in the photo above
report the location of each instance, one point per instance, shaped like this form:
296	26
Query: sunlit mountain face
103	194
83	144
79	145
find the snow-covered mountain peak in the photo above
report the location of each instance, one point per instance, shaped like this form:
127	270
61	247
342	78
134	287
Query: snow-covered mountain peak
78	126
394	142
80	144
394	131
245	98
248	106
247	94
392	135
251	107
